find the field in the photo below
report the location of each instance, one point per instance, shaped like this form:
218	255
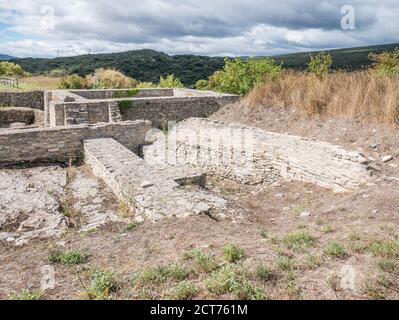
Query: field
34	83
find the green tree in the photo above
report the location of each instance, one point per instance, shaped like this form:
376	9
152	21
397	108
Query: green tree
170	82
386	63
320	64
11	69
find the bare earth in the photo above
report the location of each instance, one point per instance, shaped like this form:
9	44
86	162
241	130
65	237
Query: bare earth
357	221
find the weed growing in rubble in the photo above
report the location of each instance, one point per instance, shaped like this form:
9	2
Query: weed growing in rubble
102	285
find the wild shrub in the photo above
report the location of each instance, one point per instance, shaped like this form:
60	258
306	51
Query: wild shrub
320	64
240	76
386	63
72	82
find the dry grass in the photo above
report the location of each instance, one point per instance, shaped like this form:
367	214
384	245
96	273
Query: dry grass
354	95
42	82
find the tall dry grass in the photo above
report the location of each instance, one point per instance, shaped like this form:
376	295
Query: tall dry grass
356	95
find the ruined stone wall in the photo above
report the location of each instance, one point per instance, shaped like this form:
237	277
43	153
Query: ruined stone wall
121	93
251	155
62	143
161	110
23	99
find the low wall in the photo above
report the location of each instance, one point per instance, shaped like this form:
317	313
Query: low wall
63	143
11	115
123	93
23	99
161	110
251	155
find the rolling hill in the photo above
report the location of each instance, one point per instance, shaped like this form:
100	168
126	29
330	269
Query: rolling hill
149	65
347	59
6	57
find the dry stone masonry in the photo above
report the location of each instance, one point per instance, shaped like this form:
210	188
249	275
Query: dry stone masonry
159	106
153	192
251	155
64	143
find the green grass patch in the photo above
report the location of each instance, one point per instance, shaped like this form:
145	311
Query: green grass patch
388	265
27	294
69	258
102	285
233	253
184	290
264	273
285	264
385	248
160	274
335	250
299	240
206	262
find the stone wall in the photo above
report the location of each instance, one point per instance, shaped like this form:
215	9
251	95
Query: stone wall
84	106
23	99
251	155
161	110
62	143
122	93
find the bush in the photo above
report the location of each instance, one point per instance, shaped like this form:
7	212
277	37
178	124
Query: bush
58	73
170	82
72	82
11	69
233	253
239	77
386	63
320	64
109	79
202	85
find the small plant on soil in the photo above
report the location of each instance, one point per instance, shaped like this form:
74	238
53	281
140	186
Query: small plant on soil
334	282
313	262
327	228
133	226
233	253
161	274
385	248
285	264
388	265
103	284
27	294
264	273
205	262
184	290
299	240
69	258
335	250
224	280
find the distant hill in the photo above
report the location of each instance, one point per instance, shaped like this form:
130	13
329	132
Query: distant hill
143	65
6	57
348	59
149	65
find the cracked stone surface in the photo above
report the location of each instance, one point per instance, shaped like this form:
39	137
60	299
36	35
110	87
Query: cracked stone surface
29	203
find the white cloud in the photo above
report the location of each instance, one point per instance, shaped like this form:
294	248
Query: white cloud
212	27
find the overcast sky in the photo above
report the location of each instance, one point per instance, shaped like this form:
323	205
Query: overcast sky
43	28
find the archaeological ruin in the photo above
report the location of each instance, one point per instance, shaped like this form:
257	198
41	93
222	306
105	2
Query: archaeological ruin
155	171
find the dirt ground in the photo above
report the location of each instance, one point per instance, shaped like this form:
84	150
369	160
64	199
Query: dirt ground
315	244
